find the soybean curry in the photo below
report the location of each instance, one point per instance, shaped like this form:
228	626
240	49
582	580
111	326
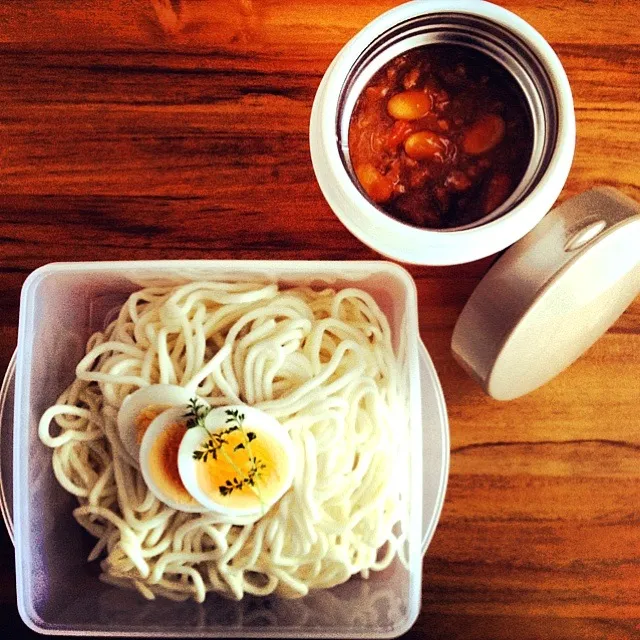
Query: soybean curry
440	137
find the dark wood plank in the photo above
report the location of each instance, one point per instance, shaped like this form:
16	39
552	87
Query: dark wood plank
137	129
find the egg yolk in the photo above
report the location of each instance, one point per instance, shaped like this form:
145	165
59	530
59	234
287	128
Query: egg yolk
163	463
146	417
244	474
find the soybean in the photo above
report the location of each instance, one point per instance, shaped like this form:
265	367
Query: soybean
484	134
423	145
409	105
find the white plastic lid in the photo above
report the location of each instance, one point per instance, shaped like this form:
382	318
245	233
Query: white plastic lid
552	294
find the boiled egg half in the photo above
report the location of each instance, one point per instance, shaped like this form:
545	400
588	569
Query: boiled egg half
140	408
159	451
240	463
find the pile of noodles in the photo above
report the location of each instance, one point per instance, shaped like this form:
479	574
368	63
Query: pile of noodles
320	362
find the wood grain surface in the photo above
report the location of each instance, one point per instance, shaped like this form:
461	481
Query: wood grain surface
139	129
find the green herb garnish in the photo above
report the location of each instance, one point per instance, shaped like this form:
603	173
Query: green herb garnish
197	413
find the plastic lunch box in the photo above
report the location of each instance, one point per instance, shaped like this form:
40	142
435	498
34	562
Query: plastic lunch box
58	592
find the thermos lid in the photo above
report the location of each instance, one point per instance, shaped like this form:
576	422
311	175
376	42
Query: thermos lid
552	294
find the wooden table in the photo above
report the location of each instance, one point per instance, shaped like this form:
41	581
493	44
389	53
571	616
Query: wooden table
139	129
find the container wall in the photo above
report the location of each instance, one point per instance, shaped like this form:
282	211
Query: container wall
57	590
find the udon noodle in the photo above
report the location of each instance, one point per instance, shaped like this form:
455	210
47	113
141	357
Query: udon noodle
321	362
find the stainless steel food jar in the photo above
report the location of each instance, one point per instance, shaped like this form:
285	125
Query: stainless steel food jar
479	25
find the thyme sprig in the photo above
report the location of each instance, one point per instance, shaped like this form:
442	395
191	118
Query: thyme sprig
197	412
215	444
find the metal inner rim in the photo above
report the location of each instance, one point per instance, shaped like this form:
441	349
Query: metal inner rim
481	34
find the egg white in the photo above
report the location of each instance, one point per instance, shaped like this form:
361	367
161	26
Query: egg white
169	395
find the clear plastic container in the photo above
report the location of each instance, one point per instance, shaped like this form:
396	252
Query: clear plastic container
58	592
